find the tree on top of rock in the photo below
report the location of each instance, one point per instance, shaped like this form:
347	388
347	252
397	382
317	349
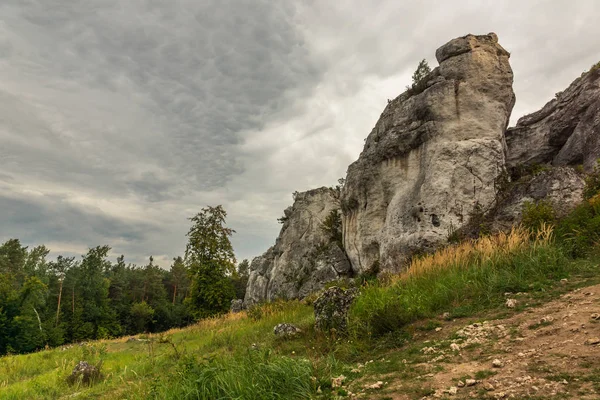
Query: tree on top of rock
422	71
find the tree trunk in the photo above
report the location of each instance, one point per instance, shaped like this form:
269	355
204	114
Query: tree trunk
59	298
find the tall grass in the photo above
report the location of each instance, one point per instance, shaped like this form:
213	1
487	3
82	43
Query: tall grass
460	279
256	375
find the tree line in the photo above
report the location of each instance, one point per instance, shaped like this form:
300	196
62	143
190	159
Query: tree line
53	302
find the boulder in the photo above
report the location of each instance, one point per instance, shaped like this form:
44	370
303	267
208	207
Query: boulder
331	309
564	132
432	157
305	255
286	330
237	305
84	373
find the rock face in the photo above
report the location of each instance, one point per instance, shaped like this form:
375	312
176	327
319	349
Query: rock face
561	187
237	305
566	131
431	158
305	256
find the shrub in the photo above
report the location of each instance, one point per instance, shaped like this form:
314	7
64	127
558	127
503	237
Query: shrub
471	275
580	230
537	215
592	183
332	226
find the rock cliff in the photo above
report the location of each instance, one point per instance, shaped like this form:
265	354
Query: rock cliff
432	157
306	255
566	131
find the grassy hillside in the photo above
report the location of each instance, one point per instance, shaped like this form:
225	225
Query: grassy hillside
237	355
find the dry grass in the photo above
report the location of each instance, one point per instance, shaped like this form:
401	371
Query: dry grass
479	250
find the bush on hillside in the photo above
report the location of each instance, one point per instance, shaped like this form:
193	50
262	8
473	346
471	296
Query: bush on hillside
538	214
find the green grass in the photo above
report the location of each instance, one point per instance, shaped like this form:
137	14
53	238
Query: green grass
460	289
237	356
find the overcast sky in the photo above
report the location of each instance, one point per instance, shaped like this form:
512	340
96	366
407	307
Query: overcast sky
120	119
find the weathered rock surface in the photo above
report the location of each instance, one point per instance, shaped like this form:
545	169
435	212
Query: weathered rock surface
304	257
566	131
85	373
331	309
561	187
237	305
431	157
285	330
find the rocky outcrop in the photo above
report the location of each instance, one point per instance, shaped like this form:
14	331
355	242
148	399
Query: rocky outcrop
561	187
566	131
305	255
432	157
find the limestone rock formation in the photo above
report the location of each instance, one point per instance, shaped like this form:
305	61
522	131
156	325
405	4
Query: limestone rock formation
561	187
566	131
431	158
304	257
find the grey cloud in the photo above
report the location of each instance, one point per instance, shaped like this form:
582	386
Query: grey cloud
152	109
38	220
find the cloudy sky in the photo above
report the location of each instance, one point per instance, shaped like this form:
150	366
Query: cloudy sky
120	119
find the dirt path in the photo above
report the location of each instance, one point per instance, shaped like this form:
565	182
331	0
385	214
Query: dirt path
548	352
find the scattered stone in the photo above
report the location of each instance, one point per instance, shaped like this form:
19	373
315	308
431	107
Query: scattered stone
460	384
331	309
454	347
286	330
438	329
85	373
338	382
595	316
453	391
376	385
511	303
488	386
592	341
237	305
446	315
470	382
497	363
547	319
564	281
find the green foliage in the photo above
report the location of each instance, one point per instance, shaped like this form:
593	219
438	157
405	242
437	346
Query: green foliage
418	78
255	375
381	309
240	279
211	291
579	232
332	226
592	183
595	66
536	215
141	315
209	258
